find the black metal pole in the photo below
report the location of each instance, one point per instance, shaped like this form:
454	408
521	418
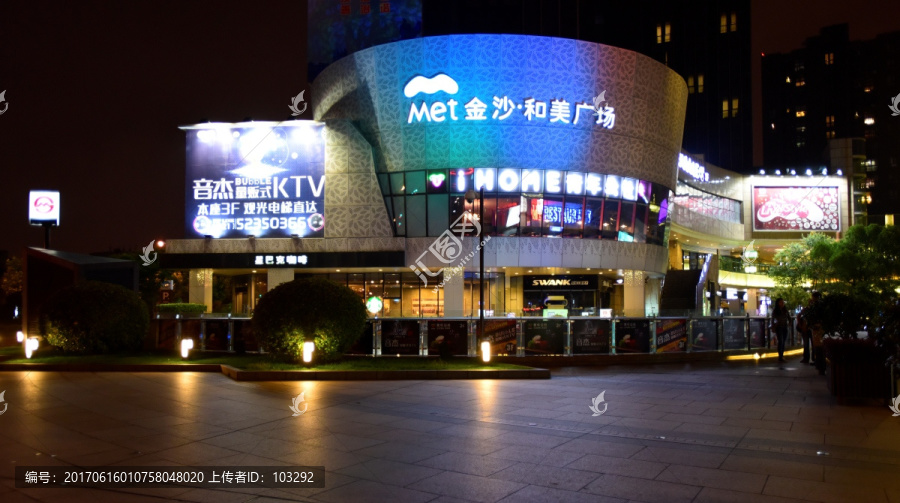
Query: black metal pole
481	265
47	235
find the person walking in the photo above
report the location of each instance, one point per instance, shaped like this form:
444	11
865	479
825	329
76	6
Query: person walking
805	328
781	322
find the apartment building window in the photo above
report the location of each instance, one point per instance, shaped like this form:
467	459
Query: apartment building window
829	134
659	34
801	143
668	33
798	66
723	22
734	107
800	82
663	33
801	129
787	79
829	121
829	58
733	21
801	112
725	109
690	82
700	83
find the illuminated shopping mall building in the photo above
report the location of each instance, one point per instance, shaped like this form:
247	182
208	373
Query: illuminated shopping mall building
589	202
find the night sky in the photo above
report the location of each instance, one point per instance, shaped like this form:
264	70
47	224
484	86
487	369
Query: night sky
97	90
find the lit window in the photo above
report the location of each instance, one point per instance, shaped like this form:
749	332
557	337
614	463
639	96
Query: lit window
801	129
801	112
700	83
724	109
801	144
829	58
734	107
690	83
829	134
668	32
723	21
800	82
829	121
659	34
869	121
798	66
788	79
867	89
733	21
773	126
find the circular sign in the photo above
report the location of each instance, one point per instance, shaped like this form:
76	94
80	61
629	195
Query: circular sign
43	204
374	304
316	221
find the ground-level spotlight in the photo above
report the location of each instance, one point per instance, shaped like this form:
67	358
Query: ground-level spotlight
186	346
31	345
20	336
485	351
308	348
756	356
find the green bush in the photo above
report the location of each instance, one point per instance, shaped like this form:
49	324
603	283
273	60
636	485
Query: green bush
94	317
181	308
309	309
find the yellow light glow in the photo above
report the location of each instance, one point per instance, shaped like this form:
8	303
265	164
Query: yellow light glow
31	345
308	348
485	351
760	356
20	336
756	356
186	346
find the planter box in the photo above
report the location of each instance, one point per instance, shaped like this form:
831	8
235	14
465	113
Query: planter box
858	380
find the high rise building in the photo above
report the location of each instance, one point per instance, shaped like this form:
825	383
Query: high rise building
707	42
834	88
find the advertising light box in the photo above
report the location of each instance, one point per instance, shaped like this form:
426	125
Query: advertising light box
261	179
43	207
796	209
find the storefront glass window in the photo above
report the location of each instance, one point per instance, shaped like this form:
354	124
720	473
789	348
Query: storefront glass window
417	217
438	220
610	228
508	215
533	209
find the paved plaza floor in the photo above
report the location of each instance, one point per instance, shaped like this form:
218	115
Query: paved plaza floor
730	432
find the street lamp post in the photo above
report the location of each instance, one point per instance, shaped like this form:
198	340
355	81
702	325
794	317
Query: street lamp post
470	198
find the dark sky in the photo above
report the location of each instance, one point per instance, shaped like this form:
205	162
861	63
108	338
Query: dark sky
96	91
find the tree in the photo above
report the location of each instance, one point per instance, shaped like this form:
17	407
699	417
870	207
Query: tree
13	278
309	309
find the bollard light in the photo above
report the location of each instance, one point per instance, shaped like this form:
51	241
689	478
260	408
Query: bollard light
31	345
756	356
186	346
308	348
20	336
485	351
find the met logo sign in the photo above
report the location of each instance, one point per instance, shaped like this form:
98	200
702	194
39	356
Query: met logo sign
43	207
502	108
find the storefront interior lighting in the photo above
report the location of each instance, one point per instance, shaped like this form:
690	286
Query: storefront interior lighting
794	172
308	348
762	172
186	346
840	172
778	172
654	208
485	351
20	336
808	172
31	345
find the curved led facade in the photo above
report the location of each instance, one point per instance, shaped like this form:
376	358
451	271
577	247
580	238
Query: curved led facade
555	124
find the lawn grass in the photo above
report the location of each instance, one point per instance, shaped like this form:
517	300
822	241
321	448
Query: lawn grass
258	362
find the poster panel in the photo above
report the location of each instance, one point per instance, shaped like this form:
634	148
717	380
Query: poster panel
633	336
448	337
590	337
671	335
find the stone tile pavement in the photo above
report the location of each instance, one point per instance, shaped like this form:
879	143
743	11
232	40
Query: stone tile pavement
730	432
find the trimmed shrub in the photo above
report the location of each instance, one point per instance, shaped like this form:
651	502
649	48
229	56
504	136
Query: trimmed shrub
181	308
96	318
309	309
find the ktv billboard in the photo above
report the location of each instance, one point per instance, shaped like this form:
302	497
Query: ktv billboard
796	209
261	179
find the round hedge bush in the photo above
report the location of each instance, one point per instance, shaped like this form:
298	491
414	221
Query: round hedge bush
96	318
309	309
